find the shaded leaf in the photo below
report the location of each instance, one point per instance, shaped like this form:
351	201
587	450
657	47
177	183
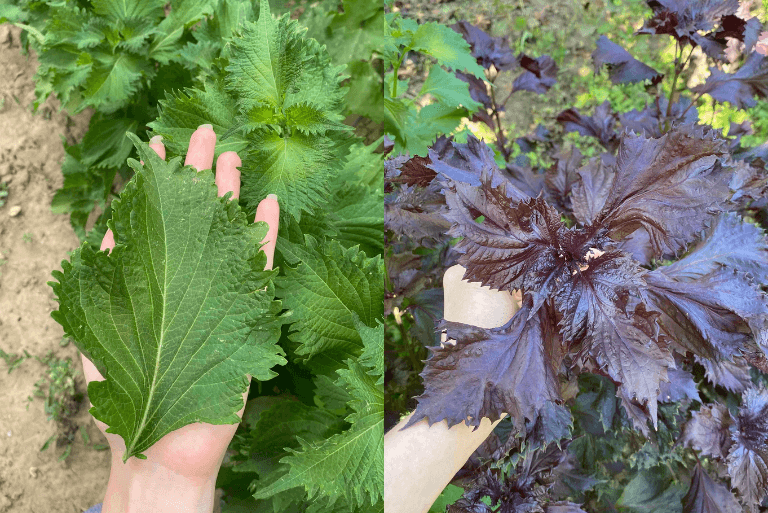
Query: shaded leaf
622	67
707	496
486	49
652	491
540	74
467	163
652	118
707	430
738	88
680	386
600	125
416	213
748	457
563	507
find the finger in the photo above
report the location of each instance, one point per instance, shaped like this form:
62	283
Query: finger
471	303
269	212
227	174
156	143
201	148
108	242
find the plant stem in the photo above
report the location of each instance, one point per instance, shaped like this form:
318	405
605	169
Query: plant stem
500	138
397	68
678	68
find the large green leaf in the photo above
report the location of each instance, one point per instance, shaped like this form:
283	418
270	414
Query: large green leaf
184	13
178	313
289	102
115	78
268	60
328	289
122	9
181	114
349	464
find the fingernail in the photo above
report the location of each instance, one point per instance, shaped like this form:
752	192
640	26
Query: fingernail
272	196
207	125
157	139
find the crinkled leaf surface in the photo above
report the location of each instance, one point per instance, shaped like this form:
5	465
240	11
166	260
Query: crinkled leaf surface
589	193
174	317
733	375
349	464
748	457
623	342
561	177
490	371
659	184
519	244
329	287
707	430
730	242
705	306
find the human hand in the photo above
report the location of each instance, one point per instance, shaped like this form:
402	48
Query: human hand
179	474
411	485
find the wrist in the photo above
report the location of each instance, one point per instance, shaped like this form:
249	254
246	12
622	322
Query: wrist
142	485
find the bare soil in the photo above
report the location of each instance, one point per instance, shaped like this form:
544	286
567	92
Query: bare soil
31	153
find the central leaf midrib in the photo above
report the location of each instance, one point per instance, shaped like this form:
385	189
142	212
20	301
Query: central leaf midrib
153	385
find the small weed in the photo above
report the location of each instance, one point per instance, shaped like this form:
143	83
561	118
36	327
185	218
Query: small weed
3	193
62	399
27	237
13	360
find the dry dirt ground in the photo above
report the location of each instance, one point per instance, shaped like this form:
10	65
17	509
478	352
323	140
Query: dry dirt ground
30	158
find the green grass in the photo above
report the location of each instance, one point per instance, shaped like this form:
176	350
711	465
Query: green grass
27	237
3	193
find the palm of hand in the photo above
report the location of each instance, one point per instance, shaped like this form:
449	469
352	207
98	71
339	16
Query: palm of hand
195	451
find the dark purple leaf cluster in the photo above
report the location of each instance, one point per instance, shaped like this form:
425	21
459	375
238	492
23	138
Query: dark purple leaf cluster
494	54
587	301
740	441
702	23
644	267
525	492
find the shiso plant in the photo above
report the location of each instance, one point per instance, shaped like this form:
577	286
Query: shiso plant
181	310
633	374
120	58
